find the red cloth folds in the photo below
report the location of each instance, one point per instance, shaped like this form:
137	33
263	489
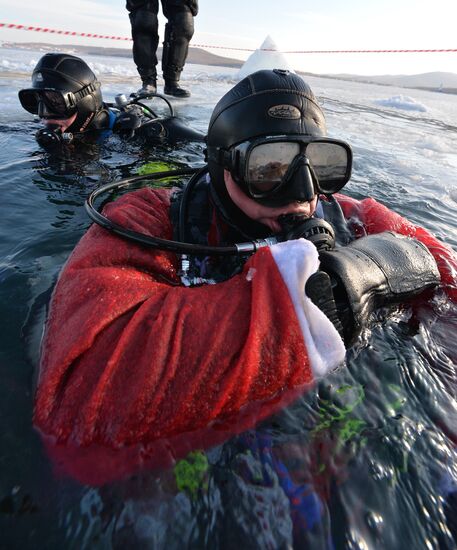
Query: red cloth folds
132	360
129	356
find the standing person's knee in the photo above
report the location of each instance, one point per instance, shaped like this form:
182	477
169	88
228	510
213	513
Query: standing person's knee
171	6
182	23
144	21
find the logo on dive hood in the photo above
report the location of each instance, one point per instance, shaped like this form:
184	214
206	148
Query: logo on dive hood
284	111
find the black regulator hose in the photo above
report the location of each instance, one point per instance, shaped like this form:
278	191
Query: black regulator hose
137	101
187	192
156	242
121	102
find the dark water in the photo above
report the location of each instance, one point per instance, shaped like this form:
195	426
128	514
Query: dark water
365	460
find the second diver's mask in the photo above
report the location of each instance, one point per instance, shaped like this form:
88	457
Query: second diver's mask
277	170
53	103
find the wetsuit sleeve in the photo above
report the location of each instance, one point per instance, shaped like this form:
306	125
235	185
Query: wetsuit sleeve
372	217
130	355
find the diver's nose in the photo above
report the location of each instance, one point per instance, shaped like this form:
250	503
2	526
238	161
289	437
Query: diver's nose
302	180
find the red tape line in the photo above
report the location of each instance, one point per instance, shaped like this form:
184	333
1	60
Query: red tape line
90	35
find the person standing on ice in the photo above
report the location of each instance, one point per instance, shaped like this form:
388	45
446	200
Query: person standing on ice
140	349
178	33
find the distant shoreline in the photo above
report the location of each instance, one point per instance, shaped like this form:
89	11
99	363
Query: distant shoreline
198	56
367	80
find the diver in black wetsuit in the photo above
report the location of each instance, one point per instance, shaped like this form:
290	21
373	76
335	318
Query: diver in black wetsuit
271	177
66	95
178	33
272	172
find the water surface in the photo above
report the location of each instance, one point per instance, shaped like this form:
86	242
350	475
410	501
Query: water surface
367	459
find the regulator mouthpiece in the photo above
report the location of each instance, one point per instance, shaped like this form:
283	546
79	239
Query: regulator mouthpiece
52	136
315	230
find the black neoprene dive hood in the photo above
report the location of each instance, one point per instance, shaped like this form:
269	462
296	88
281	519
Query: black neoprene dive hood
68	73
265	103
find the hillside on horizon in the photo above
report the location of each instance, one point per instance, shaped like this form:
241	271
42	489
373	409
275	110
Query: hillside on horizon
437	81
196	55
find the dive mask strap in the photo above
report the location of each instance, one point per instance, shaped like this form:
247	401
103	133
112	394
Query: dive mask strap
72	98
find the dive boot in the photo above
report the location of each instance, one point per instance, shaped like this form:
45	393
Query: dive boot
173	88
149	88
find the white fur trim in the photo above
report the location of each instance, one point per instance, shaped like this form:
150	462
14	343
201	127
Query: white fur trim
296	261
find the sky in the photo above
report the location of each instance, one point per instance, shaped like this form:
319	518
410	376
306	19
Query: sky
293	25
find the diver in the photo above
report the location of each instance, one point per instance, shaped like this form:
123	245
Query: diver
280	283
179	30
66	95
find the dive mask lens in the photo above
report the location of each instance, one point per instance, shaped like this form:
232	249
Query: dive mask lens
29	100
55	102
331	162
268	164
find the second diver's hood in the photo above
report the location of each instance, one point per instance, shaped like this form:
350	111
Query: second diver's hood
68	73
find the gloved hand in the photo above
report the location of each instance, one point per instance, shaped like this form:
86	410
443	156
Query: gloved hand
373	272
127	122
318	288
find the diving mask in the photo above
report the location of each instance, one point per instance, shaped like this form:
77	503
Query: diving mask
269	167
50	102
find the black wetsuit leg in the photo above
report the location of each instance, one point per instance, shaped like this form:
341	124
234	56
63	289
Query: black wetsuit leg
145	37
178	33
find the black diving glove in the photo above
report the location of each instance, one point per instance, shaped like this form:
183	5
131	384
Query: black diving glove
371	272
319	289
